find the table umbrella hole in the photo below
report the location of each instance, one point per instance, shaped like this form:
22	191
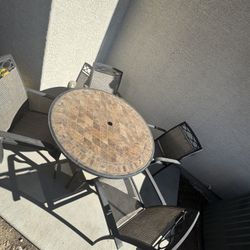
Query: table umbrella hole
110	123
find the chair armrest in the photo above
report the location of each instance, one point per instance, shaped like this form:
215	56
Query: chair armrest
1	149
40	93
158	128
12	138
162	160
157	190
40	101
106	207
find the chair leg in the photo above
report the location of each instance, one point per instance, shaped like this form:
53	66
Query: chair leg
84	183
1	149
118	243
56	155
56	168
72	178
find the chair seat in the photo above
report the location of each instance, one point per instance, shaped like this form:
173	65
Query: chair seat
34	125
147	225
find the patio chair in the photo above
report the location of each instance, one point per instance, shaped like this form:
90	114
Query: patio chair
175	143
128	220
23	112
100	76
82	80
105	77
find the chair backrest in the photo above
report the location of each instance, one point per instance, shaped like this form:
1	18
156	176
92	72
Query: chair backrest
156	227
179	142
12	92
83	77
122	197
105	77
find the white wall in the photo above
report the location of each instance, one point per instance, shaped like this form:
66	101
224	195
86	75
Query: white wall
51	39
189	60
23	29
75	33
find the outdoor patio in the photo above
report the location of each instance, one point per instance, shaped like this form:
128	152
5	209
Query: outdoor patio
34	203
53	217
113	87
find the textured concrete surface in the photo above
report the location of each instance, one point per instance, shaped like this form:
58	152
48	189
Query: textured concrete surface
189	60
44	211
12	239
51	216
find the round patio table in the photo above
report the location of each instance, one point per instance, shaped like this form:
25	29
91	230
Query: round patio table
101	133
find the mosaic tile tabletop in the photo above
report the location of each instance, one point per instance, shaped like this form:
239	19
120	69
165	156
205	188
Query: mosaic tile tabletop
101	133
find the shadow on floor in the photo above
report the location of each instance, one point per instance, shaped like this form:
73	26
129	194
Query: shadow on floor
36	184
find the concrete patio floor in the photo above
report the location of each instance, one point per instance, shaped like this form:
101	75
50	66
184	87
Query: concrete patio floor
53	217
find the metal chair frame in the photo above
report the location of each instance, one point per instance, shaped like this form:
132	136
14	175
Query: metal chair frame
86	72
192	138
110	70
7	137
114	231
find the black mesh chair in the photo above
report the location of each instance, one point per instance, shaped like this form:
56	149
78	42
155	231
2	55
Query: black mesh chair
83	77
105	77
100	76
156	227
175	143
82	81
23	112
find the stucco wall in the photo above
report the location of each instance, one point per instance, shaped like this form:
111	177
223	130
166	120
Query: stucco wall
75	33
189	60
51	39
23	29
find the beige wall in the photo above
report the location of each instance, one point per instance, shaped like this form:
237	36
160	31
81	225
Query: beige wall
75	33
23	29
51	39
189	60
